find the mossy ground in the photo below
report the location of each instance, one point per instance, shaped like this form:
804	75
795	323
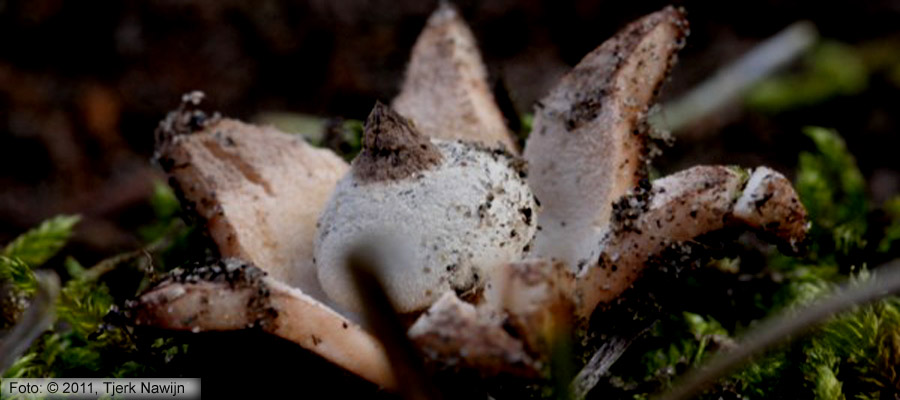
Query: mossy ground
853	355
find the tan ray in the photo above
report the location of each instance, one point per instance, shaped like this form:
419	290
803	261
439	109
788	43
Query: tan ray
445	92
260	191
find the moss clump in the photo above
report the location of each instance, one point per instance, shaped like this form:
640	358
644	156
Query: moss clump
854	355
30	250
90	337
38	245
834	192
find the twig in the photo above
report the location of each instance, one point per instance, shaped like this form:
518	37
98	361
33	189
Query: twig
110	263
389	329
733	80
885	280
602	360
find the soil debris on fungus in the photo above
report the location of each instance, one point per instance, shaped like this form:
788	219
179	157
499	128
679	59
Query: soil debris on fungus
591	117
492	279
233	295
408	217
433	203
243	182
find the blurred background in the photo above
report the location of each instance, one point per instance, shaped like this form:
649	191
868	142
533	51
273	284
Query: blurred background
84	84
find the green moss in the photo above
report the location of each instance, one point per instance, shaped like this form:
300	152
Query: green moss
891	236
673	344
833	190
18	259
80	342
763	378
16	272
866	346
38	245
826	385
166	209
347	138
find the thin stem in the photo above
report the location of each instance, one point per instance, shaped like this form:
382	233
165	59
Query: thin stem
388	327
733	80
602	360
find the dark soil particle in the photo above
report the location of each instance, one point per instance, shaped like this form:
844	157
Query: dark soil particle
630	207
526	215
762	202
186	119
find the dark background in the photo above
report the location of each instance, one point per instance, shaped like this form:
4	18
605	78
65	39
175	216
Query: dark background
84	83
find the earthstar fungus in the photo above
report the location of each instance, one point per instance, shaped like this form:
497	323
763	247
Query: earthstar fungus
492	275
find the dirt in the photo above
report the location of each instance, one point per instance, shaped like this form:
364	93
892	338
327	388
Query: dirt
393	149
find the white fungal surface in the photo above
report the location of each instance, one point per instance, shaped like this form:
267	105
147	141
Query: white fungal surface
754	191
589	146
443	228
